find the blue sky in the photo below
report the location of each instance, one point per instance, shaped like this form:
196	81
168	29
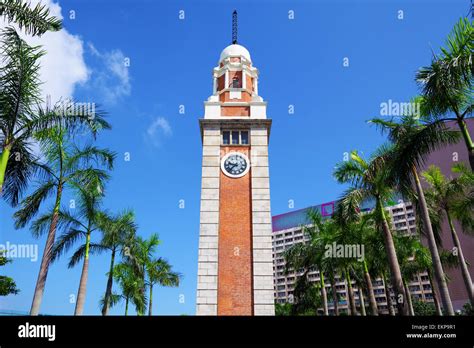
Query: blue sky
171	61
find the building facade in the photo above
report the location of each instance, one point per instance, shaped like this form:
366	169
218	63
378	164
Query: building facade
287	231
235	266
445	158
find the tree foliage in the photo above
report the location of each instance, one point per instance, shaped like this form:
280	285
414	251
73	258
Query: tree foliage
35	21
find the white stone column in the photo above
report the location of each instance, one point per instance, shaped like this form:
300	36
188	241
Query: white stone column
206	302
261	224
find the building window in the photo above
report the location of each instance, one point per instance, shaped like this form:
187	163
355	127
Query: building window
235	82
235	137
226	137
244	137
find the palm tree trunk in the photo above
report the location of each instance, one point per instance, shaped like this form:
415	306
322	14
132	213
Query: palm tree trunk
396	275
467	140
410	303
435	294
3	164
150	302
108	290
351	293
46	259
370	291
438	268
323	294
126	306
362	302
81	293
388	296
349	312
462	262
335	297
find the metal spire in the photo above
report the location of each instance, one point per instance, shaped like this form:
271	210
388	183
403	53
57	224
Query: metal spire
234	27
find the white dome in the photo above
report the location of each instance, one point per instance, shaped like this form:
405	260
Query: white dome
235	50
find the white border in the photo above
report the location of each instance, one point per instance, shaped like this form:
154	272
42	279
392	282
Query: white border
226	156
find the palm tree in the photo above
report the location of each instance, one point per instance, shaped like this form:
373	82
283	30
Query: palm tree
141	256
371	179
118	236
79	227
446	198
414	258
64	164
352	308
340	234
463	205
358	229
283	309
309	255
131	284
19	91
377	262
160	273
413	142
21	114
359	282
333	291
35	21
447	83
307	296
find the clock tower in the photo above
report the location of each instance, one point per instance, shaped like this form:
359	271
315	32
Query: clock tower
235	271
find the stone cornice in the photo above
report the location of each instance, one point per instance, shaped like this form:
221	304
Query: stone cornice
234	123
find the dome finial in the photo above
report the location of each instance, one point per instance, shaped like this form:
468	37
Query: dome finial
234	27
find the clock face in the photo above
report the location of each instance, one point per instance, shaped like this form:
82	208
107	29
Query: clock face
235	164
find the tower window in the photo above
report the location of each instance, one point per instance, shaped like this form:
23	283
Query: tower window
235	137
226	137
236	82
244	137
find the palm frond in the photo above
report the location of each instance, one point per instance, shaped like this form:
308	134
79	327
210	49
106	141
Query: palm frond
349	171
447	83
30	205
19	81
65	242
21	168
90	155
66	117
79	254
35	21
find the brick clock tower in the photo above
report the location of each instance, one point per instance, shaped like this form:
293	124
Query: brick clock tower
235	272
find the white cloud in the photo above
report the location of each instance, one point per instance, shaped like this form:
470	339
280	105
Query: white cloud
63	66
158	128
112	81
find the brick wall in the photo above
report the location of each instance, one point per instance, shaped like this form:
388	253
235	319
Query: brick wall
235	295
221	83
235	111
225	97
